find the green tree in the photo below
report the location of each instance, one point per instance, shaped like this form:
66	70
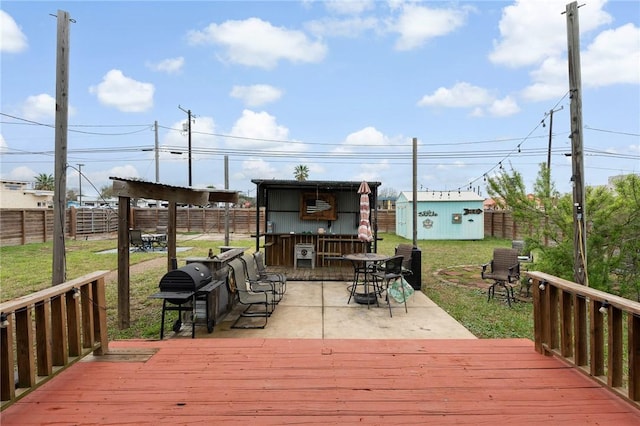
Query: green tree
613	231
301	172
106	192
45	182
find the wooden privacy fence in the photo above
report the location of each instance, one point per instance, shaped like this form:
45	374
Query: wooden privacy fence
586	327
20	226
44	332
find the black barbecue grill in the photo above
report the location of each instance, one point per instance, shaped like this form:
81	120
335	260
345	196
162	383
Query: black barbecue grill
180	291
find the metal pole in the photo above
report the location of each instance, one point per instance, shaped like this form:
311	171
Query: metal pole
80	185
189	117
415	192
226	205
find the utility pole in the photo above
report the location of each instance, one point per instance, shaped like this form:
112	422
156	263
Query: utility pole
189	116
550	114
59	273
80	185
577	163
155	126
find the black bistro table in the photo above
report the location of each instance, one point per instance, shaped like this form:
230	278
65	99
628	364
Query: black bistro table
364	265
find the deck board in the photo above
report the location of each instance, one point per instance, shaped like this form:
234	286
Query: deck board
315	381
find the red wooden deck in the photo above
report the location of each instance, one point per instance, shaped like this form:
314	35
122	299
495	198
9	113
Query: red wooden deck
313	381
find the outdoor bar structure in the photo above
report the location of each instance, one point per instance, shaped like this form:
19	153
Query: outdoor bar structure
312	223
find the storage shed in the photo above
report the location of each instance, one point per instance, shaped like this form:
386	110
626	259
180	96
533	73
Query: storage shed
311	223
442	215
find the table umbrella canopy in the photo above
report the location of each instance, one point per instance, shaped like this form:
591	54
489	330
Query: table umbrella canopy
364	230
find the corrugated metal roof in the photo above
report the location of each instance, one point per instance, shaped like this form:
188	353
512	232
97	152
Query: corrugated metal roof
276	183
443	196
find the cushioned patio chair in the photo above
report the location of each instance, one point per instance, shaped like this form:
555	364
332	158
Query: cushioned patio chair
503	270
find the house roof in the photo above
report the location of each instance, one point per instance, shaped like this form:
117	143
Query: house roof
443	196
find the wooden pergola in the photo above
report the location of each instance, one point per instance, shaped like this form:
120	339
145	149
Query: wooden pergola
125	189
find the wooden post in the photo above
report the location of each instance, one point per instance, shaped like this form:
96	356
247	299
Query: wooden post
7	371
171	234
124	207
62	111
24	347
577	163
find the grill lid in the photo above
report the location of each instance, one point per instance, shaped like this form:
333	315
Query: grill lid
187	278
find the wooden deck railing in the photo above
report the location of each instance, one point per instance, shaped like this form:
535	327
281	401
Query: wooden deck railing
569	322
44	332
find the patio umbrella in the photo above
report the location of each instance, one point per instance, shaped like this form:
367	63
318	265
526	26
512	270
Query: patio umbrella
364	230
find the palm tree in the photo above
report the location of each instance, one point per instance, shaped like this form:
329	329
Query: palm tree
45	182
301	172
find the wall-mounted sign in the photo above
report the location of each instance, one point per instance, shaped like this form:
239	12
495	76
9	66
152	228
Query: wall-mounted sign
472	211
318	206
456	218
427	224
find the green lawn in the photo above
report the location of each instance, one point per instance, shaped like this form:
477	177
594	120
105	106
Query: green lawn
25	269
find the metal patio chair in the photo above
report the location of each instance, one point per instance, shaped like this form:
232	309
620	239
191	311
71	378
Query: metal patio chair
136	240
391	271
238	284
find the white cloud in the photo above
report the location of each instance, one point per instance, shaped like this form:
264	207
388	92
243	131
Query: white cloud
461	95
352	27
550	80
465	95
256	43
41	106
260	130
533	30
256	95
419	24
124	93
22	173
257	168
170	65
202	136
504	107
126	171
613	57
3	144
368	136
12	39
349	7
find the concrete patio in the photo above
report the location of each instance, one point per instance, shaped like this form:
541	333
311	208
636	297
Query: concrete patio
319	310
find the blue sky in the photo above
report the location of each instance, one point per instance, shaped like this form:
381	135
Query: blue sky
339	86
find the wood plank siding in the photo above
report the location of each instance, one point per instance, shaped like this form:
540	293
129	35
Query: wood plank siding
316	381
